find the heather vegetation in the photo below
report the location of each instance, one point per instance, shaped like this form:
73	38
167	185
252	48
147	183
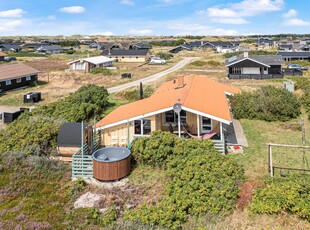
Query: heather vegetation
200	180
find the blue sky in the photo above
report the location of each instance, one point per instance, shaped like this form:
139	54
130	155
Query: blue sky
153	17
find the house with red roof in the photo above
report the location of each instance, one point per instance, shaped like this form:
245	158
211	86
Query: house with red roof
193	106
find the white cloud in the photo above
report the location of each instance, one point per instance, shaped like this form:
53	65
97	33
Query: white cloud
140	32
235	13
291	19
51	17
10	25
291	14
128	2
198	29
296	22
105	33
16	13
72	9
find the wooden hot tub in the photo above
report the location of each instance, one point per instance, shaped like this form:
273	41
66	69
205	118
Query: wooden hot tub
111	163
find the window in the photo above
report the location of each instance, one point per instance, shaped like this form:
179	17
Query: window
79	66
8	82
18	80
172	117
138	127
142	127
123	57
137	57
236	70
206	124
169	117
28	78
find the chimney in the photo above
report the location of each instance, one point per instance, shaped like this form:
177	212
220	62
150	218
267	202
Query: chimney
180	82
246	54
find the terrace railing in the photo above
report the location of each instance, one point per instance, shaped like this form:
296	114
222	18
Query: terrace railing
82	162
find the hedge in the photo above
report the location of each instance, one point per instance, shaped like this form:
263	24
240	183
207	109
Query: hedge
269	103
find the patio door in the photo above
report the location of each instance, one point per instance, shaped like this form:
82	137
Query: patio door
206	124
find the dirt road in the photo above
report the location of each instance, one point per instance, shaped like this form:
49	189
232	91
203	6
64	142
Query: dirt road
153	77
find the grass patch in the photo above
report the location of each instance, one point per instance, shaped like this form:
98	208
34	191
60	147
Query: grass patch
198	63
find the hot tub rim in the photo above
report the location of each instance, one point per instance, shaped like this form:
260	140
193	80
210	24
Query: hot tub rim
109	161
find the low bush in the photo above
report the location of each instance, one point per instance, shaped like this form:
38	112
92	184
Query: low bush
290	194
214	63
198	63
102	71
29	131
164	55
269	103
89	101
200	180
70	52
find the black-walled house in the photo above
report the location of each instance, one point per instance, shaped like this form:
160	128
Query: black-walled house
17	75
254	66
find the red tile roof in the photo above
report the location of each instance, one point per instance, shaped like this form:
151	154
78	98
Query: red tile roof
199	94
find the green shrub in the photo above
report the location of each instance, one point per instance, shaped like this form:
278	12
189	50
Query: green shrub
154	150
165	56
269	103
198	63
168	43
30	130
70	52
200	180
214	63
102	71
107	218
290	194
88	102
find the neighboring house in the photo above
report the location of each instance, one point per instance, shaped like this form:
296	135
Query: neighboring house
204	110
254	66
69	139
50	49
286	47
2	55
231	50
33	46
196	44
265	42
295	56
10	47
179	48
140	46
305	47
222	45
128	55
88	64
14	76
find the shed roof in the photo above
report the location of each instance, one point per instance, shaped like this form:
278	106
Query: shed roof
95	60
200	95
70	135
2	54
139	52
11	71
305	54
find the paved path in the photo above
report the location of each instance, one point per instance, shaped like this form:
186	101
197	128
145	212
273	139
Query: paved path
153	77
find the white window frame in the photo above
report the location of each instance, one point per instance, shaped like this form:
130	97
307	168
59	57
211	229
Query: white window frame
142	128
8	82
202	125
175	118
18	80
28	78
